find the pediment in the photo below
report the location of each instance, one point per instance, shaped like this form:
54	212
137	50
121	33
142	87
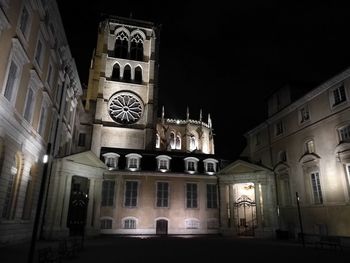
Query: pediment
86	158
241	166
309	158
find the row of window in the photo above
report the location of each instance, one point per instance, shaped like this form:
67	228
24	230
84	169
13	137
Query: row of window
131	223
337	96
133	163
175	141
127	75
131	189
128	47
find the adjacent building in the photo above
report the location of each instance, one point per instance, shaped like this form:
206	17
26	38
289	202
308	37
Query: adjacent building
39	98
300	154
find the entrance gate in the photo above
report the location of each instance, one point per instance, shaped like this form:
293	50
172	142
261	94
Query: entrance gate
245	215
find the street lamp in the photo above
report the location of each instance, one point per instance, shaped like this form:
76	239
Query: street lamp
300	221
39	205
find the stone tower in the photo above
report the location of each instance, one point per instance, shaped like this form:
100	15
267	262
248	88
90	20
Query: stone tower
122	90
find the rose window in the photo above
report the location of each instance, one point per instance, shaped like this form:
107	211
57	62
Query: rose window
125	108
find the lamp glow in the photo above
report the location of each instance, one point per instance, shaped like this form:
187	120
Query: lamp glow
45	158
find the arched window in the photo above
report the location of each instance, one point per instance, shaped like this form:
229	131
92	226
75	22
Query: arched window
116	72
172	140
138	75
178	142
136	48
127	73
121	45
157	141
192	142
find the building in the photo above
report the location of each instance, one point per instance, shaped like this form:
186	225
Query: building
300	154
115	167
39	98
142	174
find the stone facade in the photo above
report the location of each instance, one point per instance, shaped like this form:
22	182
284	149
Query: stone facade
305	144
38	78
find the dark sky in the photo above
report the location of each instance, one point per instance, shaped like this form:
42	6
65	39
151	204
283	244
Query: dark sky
228	57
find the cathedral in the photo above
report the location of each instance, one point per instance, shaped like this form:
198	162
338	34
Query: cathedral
115	167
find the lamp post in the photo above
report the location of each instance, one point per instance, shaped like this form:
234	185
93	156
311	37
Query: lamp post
39	205
300	221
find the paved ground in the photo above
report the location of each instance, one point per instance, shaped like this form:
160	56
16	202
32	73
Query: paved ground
170	249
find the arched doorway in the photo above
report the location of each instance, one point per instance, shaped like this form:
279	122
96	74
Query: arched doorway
161	227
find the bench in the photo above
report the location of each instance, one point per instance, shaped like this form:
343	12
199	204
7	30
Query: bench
48	255
329	242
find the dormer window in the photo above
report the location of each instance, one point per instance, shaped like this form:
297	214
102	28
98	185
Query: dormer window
191	164
210	165
163	163
111	160
133	161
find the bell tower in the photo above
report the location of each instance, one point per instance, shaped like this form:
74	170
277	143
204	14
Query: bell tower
122	90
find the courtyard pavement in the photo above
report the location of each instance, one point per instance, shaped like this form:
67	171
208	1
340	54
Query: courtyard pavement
184	249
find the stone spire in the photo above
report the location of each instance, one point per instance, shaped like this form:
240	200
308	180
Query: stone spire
187	114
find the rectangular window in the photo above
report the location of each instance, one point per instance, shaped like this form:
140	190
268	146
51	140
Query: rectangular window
50	76
81	141
42	121
345	133
130	198
108	193
257	139
162	194
339	95
29	105
304	114
310	146
106	224
279	128
133	163
23	23
212	196
190	166
130	224
163	164
210	167
316	187
38	53
191	195
11	79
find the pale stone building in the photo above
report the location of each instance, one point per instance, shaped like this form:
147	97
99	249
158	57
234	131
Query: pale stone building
299	154
143	174
38	80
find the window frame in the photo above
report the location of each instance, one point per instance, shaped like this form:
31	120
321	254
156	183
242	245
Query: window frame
164	198
134	194
191	197
108	197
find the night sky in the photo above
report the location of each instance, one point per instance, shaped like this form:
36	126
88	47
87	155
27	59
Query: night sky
226	58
